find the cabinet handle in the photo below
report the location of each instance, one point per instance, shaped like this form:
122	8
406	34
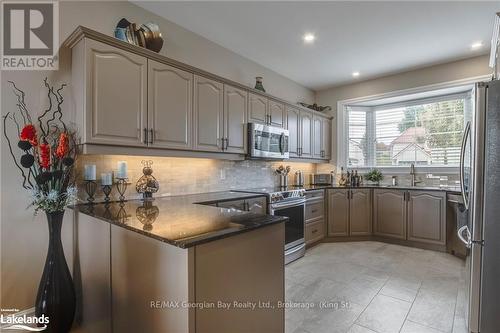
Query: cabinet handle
145	136
404	196
270	119
227	143
314	231
314	211
408	196
152	134
348	195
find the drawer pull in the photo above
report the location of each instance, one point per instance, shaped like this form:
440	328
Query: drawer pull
314	211
314	231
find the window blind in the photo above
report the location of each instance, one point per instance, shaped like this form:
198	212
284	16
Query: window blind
426	132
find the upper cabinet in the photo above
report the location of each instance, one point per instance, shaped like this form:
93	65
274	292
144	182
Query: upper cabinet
321	137
114	84
257	109
235	118
276	113
127	96
170	106
306	131
293	126
208	114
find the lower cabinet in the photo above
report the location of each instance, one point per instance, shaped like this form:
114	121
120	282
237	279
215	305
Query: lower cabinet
427	216
315	231
349	212
389	213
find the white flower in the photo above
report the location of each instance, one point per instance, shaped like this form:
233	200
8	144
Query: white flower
53	195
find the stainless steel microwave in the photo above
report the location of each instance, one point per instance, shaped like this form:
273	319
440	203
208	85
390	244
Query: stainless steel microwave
267	142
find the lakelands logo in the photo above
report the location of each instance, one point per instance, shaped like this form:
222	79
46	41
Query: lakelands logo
30	35
25	323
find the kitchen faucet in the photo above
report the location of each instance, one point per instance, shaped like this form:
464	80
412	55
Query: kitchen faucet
412	174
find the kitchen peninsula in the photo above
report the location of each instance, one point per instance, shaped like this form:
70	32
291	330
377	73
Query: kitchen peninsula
180	264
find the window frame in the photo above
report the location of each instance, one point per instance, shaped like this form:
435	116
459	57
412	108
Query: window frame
343	124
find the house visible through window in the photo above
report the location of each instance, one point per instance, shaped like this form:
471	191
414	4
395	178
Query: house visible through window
426	132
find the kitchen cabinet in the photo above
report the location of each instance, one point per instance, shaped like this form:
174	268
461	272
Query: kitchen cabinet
300	129
235	117
315	231
427	216
314	216
276	113
170	106
306	131
293	126
208	114
389	213
257	109
112	89
349	212
321	137
338	212
127	97
360	212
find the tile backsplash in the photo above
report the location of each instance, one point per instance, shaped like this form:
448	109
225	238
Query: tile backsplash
178	176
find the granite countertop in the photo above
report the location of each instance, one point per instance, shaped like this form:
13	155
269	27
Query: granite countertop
450	189
183	221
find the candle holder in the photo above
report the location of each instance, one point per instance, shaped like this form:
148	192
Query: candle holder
106	189
122	215
121	186
90	188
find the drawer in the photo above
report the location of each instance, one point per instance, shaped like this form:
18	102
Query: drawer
315	231
315	194
315	209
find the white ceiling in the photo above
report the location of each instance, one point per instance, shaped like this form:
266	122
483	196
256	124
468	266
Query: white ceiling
374	38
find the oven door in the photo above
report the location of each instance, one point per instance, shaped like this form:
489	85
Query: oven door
294	227
267	142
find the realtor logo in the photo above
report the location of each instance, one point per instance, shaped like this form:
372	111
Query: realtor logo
30	35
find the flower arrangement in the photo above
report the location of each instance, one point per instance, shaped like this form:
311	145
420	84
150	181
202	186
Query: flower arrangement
374	176
48	148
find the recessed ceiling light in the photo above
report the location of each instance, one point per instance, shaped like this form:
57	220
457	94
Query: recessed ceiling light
355	74
309	38
476	45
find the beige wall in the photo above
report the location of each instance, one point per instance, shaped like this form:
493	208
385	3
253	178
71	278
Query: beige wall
23	237
453	71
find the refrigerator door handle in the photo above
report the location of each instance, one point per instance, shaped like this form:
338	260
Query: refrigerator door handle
462	166
467	241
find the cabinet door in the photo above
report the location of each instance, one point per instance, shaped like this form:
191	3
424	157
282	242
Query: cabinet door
427	217
360	212
292	124
338	212
389	213
209	114
116	83
277	113
170	106
317	137
257	109
306	131
326	138
235	117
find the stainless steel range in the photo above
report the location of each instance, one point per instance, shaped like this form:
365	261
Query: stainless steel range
289	203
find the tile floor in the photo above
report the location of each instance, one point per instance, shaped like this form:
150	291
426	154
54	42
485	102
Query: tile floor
367	287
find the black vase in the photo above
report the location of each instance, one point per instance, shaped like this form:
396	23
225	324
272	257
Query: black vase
56	293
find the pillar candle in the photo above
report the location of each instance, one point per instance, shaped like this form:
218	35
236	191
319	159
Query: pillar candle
90	172
122	169
106	179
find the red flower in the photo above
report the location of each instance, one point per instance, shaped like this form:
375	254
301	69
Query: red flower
28	133
45	155
63	146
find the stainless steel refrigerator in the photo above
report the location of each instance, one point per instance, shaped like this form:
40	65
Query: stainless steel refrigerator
480	178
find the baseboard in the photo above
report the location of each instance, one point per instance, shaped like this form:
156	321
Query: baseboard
402	242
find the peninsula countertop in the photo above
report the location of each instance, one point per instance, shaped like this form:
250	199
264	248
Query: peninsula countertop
183	221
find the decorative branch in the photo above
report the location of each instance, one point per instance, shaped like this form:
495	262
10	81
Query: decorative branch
25	179
60	100
20	97
47	110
